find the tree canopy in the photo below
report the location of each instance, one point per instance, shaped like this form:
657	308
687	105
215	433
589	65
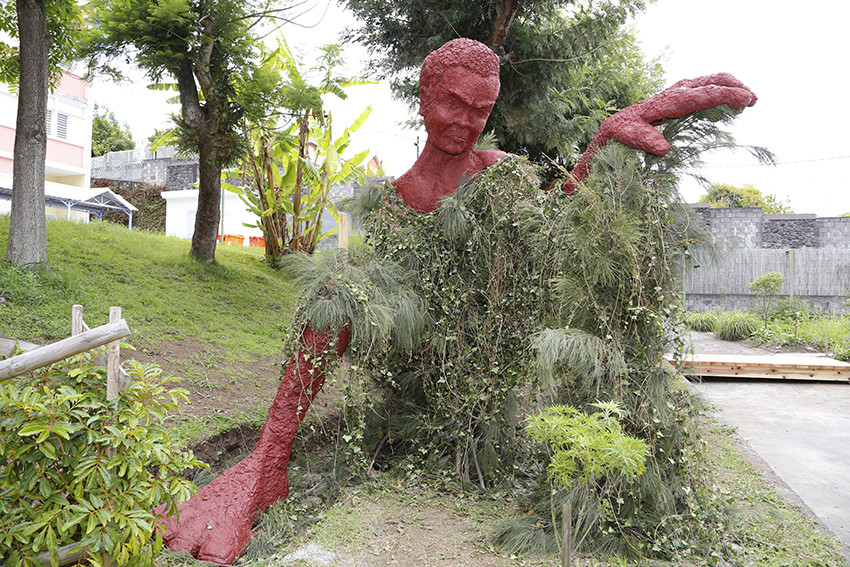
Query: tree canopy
62	26
208	47
107	135
566	65
723	195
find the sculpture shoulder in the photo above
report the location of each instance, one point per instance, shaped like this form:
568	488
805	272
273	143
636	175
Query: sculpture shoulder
489	157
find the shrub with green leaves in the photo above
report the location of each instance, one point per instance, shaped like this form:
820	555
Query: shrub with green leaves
79	469
590	452
736	326
766	286
704	322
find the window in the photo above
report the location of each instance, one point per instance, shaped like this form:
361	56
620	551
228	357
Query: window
62	126
59	129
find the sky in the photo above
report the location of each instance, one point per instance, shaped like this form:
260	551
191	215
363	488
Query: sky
795	58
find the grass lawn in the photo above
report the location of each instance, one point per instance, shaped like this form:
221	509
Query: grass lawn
220	326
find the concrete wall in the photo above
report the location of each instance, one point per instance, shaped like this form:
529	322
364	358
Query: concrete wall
810	252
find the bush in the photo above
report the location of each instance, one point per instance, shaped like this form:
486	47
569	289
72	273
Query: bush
766	286
79	469
790	310
736	326
703	322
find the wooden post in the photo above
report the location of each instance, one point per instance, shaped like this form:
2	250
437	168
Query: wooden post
567	539
77	325
113	359
57	351
344	228
113	367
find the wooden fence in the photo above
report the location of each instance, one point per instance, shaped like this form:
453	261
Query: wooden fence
817	275
82	339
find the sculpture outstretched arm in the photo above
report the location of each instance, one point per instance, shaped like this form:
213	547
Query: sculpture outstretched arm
215	525
634	126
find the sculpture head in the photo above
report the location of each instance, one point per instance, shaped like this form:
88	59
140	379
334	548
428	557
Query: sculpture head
458	86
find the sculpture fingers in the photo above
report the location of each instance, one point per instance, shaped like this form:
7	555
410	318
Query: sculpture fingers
636	133
678	102
717	79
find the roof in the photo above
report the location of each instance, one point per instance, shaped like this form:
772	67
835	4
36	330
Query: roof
96	200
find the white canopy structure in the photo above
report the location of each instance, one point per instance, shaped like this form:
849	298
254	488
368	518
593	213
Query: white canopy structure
95	200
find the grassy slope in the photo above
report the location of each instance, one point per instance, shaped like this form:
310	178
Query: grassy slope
219	327
238	303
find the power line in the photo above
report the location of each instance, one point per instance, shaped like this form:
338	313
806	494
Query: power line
813	160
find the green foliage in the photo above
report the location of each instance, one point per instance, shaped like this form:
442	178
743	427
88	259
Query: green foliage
566	65
107	135
455	398
281	182
765	287
64	21
588	447
704	322
148	199
590	451
736	326
84	470
725	195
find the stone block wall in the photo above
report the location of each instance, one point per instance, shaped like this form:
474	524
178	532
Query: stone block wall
740	227
834	232
181	175
790	231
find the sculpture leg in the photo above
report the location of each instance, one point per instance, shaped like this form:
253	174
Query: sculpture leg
215	525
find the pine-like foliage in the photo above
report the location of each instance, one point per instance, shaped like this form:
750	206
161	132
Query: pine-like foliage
525	297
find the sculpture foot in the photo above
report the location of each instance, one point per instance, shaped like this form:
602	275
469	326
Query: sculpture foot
215	525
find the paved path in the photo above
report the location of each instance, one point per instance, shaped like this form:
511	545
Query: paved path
799	429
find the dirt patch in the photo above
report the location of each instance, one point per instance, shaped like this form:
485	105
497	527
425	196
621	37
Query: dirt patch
214	384
406	526
219	449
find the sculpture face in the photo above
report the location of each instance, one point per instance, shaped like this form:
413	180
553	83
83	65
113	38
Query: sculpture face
457	107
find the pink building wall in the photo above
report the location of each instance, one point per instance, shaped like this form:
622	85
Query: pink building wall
72	85
7	139
63	152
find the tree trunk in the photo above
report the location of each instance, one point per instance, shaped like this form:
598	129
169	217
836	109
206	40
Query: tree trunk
195	117
28	229
209	201
502	24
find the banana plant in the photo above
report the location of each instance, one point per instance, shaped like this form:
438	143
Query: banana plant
283	182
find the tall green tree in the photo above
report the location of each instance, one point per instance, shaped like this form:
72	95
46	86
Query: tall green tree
208	47
42	37
108	135
723	195
566	65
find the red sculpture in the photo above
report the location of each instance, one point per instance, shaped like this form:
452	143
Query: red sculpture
215	525
458	87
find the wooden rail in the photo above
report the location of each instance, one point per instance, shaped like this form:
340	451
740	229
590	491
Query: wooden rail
776	367
60	350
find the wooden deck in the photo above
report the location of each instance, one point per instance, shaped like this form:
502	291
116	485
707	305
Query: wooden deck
776	367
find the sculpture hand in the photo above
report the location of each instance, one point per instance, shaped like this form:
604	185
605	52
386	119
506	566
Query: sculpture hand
634	126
